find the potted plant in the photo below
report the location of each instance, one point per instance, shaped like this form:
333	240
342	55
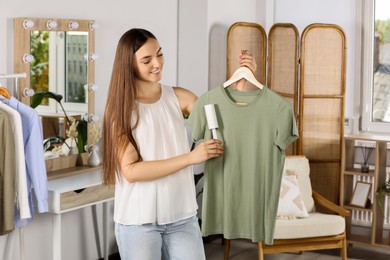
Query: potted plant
381	192
77	129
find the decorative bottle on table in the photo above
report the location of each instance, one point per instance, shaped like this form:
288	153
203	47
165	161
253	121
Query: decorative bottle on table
93	159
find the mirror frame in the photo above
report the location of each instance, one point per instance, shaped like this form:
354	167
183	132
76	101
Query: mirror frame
22	46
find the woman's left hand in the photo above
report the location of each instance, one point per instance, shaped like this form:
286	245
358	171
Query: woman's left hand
246	59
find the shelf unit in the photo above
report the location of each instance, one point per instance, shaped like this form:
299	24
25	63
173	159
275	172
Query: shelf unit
377	175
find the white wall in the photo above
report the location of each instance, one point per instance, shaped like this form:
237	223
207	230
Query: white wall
114	17
193	37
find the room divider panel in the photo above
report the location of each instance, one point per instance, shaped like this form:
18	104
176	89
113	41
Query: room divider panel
282	67
321	105
247	36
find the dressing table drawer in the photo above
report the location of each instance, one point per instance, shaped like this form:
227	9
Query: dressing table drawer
85	196
76	191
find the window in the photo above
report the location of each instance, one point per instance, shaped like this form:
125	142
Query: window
376	66
58	69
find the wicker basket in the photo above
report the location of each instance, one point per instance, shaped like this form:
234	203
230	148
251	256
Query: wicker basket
60	163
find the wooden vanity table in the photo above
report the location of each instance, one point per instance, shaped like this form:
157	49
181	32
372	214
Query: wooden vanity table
73	189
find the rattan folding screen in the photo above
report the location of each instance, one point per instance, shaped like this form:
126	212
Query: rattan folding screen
282	67
321	105
247	36
315	88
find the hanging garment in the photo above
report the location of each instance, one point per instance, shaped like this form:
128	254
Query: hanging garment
160	134
7	174
34	160
21	196
241	187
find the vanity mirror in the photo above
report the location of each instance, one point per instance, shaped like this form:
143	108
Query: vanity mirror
57	55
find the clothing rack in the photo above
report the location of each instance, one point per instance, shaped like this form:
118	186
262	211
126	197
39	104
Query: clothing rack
16	76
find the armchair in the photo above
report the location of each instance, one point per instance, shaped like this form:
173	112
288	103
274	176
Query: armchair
318	231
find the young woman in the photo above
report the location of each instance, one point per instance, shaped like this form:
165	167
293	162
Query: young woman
146	155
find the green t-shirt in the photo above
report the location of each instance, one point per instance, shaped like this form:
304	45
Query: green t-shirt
241	187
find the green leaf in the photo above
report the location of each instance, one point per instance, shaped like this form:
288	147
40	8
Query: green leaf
82	137
37	98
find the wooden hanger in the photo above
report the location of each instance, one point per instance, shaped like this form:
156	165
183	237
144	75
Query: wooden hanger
243	73
4	92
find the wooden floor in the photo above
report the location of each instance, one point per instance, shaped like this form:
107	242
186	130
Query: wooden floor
245	250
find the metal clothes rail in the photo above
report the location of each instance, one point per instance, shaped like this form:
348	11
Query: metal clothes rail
16	77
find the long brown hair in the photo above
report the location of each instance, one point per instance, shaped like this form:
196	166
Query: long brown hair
118	121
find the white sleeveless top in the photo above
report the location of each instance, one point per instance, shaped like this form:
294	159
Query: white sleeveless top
160	134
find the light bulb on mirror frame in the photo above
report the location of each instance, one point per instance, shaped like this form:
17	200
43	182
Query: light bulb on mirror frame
93	87
28	92
93	56
93	25
73	25
27	58
93	118
28	24
90	118
51	24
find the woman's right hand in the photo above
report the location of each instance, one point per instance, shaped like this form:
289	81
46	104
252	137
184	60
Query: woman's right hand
206	150
247	59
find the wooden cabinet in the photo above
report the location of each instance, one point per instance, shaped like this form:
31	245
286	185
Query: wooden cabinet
373	233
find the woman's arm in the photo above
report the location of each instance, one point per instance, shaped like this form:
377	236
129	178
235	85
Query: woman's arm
135	171
186	99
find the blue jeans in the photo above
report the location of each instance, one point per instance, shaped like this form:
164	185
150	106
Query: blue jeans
181	240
